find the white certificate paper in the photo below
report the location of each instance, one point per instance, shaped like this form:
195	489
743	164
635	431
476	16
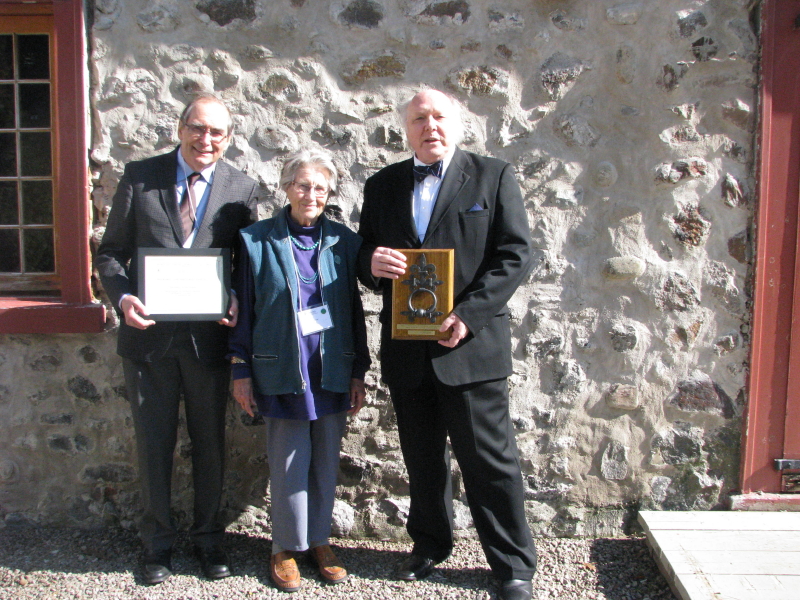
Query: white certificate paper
184	286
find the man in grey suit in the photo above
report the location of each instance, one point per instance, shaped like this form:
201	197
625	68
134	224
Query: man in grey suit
444	197
186	198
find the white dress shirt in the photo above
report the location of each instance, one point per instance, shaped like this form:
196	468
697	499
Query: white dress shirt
425	194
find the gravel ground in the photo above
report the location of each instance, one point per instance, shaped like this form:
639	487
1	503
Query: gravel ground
44	563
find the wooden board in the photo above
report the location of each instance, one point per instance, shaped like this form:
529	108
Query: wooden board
423	296
720	520
720	555
734	562
719	541
740	587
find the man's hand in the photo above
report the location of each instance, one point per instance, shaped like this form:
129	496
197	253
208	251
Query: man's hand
132	307
460	330
388	263
230	319
243	392
358	392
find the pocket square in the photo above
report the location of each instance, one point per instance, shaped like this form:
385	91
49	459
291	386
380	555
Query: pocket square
475	207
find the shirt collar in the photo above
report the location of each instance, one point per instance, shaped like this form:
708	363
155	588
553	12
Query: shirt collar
207	173
445	161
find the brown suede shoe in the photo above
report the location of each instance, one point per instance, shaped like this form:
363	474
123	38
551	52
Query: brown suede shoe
283	569
330	568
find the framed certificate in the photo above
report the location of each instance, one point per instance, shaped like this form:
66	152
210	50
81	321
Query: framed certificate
423	296
185	284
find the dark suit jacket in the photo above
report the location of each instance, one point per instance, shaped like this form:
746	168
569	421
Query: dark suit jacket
145	215
492	258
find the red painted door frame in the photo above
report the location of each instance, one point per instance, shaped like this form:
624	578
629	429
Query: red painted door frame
772	419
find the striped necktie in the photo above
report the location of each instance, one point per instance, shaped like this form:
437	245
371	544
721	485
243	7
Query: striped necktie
189	205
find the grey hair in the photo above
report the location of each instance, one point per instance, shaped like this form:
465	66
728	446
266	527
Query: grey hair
458	111
318	158
200	99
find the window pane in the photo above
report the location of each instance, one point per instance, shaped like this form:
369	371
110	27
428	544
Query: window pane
33	53
39	256
8	155
9	251
7	106
37	202
35	153
6	57
34	105
9	208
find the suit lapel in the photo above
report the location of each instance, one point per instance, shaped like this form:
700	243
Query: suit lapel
216	198
403	202
169	193
454	181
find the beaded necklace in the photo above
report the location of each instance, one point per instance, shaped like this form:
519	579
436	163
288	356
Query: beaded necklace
297	243
300	246
306	279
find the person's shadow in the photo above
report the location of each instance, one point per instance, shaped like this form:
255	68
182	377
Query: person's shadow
27	549
251	557
621	570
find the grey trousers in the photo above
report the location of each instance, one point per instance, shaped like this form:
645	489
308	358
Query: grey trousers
154	391
303	467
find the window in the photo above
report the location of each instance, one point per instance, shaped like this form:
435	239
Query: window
45	273
27	247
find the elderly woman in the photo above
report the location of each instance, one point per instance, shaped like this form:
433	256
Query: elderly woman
299	355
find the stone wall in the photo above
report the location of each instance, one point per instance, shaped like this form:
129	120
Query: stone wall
631	129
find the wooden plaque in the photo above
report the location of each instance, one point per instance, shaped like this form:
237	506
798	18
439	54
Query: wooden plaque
423	297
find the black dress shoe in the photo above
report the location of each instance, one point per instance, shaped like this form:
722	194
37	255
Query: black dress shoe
157	567
516	589
213	561
416	567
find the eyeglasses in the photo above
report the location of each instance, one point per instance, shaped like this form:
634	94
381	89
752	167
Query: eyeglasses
198	130
306	189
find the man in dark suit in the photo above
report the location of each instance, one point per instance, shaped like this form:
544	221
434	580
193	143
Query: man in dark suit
185	198
447	198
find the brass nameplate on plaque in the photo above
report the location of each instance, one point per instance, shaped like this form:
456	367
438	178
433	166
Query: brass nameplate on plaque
423	296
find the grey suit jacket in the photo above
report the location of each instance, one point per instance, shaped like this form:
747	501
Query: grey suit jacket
479	212
145	215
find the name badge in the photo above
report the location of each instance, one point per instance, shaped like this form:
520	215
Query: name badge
314	319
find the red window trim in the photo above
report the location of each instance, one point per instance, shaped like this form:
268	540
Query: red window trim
74	311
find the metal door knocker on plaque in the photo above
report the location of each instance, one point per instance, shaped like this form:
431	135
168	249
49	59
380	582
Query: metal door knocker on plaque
423	296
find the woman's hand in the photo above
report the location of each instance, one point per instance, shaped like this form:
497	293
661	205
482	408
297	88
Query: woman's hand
358	392
243	392
230	318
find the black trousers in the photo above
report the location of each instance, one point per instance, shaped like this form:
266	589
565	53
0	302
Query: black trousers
154	391
476	419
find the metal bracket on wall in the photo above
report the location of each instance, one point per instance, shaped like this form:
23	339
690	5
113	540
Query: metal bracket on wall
785	464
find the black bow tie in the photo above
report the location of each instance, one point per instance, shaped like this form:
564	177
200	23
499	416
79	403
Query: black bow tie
422	171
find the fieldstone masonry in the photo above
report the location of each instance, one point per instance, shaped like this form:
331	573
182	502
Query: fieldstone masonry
630	126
